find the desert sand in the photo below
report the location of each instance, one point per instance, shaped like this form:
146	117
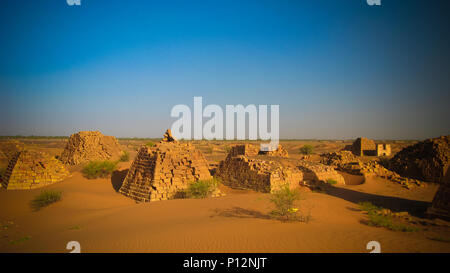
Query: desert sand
93	213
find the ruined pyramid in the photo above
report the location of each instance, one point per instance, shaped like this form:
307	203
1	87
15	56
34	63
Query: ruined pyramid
160	172
30	170
90	145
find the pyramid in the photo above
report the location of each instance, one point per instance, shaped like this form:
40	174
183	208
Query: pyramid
441	202
31	170
160	172
90	145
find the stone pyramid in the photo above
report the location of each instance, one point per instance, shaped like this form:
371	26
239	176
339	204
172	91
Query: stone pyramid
441	202
30	170
160	172
90	145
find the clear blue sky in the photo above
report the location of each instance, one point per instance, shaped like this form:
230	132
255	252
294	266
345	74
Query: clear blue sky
338	69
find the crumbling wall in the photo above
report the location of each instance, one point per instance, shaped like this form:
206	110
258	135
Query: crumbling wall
427	160
363	146
383	150
316	172
280	151
256	174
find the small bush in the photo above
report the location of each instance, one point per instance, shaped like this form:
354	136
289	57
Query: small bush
150	144
376	219
201	188
96	169
125	157
306	149
331	181
45	199
21	240
284	200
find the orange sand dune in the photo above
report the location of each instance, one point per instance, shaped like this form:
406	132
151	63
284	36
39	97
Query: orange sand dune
101	220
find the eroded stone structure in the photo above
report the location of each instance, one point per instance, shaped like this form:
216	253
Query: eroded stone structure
30	170
246	168
383	150
280	151
317	172
90	145
441	202
160	172
363	146
427	160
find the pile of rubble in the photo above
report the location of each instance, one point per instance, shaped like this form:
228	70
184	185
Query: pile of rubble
243	168
314	172
338	159
90	145
30	170
280	151
427	160
160	172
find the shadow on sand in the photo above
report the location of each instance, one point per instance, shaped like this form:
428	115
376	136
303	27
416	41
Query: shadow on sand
117	178
396	204
237	212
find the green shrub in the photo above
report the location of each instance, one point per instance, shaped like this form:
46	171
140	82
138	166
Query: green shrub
284	200
331	181
377	219
201	188
96	169
150	144
45	198
306	149
125	157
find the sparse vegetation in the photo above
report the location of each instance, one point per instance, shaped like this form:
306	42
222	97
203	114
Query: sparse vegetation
150	144
74	228
306	149
45	198
21	240
331	181
125	157
202	188
284	200
379	217
97	169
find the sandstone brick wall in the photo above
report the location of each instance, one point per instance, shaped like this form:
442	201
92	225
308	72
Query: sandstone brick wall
313	171
280	151
90	145
30	170
159	173
245	167
383	150
364	146
441	202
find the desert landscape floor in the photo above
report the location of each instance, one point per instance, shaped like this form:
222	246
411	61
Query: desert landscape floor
102	220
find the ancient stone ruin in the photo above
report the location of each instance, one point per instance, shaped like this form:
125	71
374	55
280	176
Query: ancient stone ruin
280	151
383	150
90	145
427	160
314	172
363	146
160	172
441	202
246	168
30	170
168	137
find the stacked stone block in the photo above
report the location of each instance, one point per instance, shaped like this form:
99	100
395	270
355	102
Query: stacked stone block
363	146
161	172
315	172
30	170
244	169
90	145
